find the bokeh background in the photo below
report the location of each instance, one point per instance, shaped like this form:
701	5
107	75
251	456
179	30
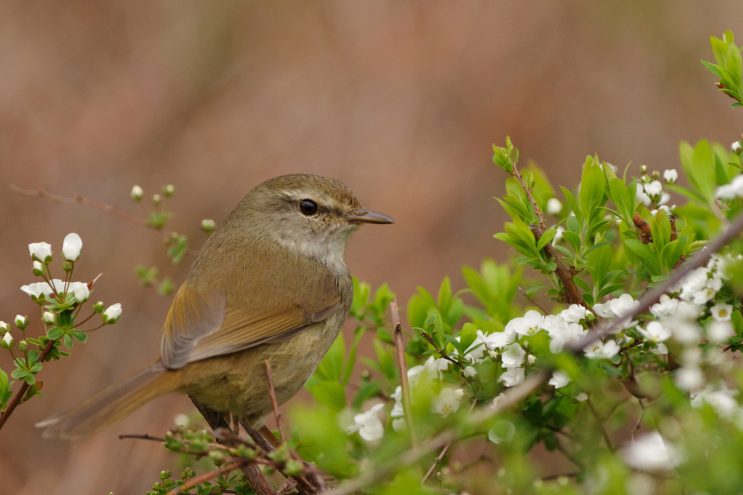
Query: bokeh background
401	100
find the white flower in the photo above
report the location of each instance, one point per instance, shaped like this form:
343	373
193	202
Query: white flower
559	379
527	324
685	331
665	308
513	356
554	207
181	420
720	331
653	188
40	251
136	193
80	291
650	452
7	339
736	146
721	312
574	313
498	340
476	351
37	290
469	372
689	378
670	175
732	190
694	282
71	246
368	424
512	377
447	401
48	317
562	333
642	197
655	331
112	313
600	350
581	397
721	398
398	424
617	308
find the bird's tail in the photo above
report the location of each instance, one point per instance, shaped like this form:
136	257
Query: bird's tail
111	405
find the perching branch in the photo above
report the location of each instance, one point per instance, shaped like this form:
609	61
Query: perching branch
274	402
202	478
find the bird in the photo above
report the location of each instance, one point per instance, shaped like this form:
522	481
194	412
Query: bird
270	283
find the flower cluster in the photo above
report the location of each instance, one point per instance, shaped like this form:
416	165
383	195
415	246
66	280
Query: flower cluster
650	190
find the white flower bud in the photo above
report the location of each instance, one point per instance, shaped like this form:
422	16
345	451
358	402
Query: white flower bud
469	372
136	193
554	207
40	251
3	327
112	313
49	318
7	340
71	246
736	147
80	291
21	321
670	175
38	267
168	190
208	225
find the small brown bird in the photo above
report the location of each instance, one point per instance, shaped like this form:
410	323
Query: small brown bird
272	284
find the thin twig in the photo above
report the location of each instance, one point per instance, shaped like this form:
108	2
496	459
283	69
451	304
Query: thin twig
197	480
403	368
94	203
18	397
144	436
274	401
443	453
600	422
441	352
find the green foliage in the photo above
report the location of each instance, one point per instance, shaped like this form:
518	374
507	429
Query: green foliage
728	68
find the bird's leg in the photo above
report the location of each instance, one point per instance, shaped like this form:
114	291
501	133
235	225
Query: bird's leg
266	431
235	425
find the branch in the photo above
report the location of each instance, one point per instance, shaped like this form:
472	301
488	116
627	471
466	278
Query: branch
274	402
18	397
402	366
93	203
197	480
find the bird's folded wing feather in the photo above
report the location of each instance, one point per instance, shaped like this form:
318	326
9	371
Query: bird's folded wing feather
200	326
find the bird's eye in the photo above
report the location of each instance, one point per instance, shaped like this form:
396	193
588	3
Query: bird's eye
308	207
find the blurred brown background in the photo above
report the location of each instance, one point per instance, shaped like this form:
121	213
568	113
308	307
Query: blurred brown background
401	100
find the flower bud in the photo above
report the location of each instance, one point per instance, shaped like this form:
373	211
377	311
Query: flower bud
49	318
38	268
208	225
736	147
72	246
136	193
671	175
40	251
3	327
21	321
81	293
156	199
112	313
168	190
98	307
22	344
7	340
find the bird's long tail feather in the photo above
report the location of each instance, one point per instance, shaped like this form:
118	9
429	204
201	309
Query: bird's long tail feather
109	406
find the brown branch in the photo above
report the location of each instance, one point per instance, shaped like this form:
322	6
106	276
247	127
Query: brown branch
145	436
441	352
202	478
563	271
646	234
403	368
18	397
443	453
274	401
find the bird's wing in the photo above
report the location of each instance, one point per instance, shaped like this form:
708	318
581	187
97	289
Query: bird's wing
199	326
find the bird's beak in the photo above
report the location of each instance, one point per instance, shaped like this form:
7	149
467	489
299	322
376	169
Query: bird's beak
369	216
